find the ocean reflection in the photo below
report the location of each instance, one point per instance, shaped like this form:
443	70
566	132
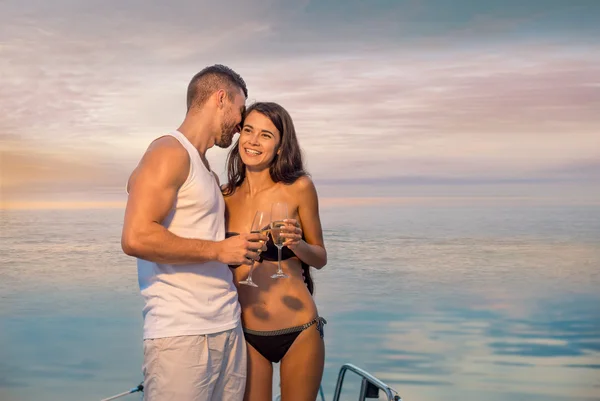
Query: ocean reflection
474	351
460	304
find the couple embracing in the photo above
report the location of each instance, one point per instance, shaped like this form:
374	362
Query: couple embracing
206	336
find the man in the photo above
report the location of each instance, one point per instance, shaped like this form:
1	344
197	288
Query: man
175	225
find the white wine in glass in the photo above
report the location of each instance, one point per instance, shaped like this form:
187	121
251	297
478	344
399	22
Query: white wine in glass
279	212
260	225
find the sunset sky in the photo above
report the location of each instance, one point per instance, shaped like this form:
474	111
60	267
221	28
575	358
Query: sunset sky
431	97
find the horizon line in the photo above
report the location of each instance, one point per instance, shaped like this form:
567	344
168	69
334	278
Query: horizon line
325	201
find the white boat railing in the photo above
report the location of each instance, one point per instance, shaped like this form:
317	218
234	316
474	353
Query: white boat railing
139	388
370	385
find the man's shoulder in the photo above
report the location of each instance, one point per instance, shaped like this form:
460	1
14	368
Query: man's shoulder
167	158
167	144
166	150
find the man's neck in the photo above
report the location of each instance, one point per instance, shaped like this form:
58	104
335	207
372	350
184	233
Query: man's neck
199	132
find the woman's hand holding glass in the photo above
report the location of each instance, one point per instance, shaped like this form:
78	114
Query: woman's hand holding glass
292	233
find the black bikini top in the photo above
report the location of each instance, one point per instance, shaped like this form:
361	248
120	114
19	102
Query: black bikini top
271	252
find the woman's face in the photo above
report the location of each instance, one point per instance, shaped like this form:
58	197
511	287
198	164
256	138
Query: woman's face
259	140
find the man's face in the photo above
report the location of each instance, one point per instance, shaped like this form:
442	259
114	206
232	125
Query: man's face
232	118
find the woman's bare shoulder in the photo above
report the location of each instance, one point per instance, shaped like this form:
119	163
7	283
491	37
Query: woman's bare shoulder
303	183
302	187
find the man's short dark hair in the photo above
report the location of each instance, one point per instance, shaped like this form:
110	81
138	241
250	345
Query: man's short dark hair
210	80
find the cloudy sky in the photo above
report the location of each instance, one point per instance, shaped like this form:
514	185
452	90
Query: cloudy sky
393	95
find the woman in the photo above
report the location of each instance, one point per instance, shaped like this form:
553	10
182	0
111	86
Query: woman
280	318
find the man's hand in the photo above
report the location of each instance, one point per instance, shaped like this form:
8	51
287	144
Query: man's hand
241	249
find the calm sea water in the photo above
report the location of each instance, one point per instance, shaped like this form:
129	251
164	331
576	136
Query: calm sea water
443	303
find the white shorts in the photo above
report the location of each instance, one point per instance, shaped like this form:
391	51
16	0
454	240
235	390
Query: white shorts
196	368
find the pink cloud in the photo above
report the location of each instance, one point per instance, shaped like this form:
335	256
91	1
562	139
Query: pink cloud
99	89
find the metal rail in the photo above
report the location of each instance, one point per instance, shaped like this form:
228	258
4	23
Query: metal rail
139	388
370	385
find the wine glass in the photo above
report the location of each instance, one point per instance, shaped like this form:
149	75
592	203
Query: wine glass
279	212
260	225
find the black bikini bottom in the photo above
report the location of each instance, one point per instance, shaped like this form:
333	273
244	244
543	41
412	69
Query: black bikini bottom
273	345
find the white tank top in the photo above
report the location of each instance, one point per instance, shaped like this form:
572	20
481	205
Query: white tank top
197	298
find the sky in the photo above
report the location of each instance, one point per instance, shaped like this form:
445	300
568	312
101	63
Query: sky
389	98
